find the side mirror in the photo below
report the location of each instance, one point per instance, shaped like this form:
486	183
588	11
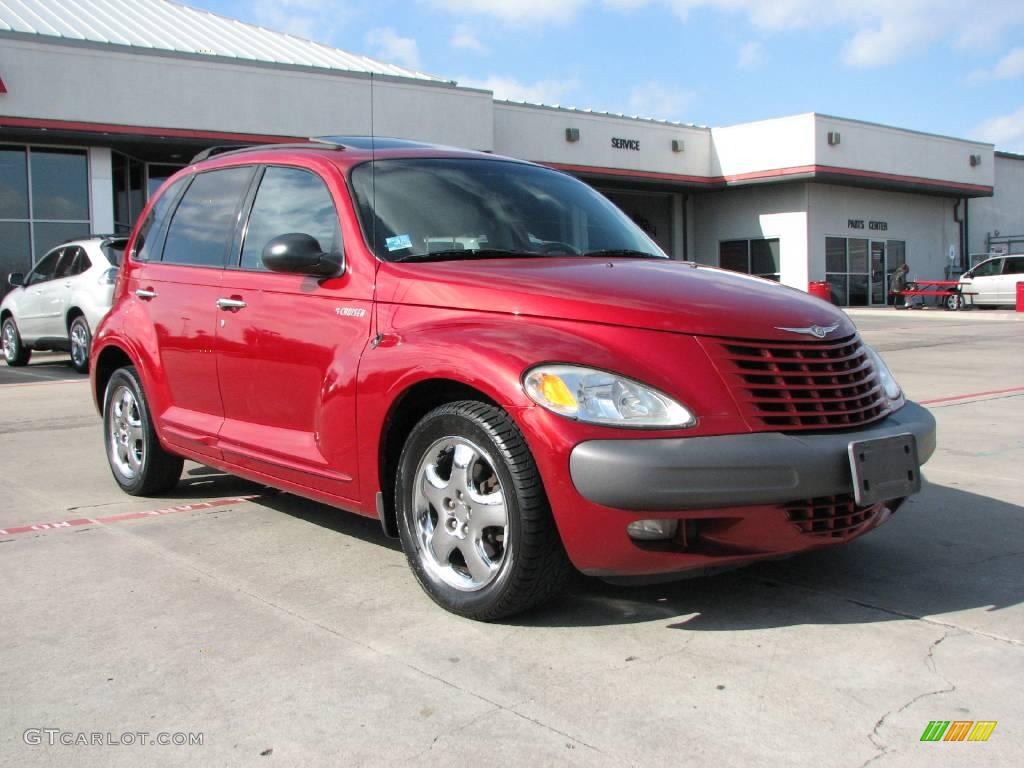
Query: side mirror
15	279
301	254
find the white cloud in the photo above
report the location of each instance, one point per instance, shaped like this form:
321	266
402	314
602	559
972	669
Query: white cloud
465	37
1010	67
664	102
751	55
393	48
516	11
1006	132
309	19
539	92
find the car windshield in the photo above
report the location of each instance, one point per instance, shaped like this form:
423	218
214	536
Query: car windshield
432	209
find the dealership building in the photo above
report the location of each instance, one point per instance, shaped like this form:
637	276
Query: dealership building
102	100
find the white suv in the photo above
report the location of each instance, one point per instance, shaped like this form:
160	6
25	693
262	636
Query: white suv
60	302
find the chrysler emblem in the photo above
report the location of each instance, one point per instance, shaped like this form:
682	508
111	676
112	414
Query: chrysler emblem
817	331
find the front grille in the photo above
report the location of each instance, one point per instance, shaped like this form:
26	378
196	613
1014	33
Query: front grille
831	517
801	385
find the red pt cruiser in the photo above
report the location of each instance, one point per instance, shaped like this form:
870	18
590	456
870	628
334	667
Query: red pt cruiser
491	358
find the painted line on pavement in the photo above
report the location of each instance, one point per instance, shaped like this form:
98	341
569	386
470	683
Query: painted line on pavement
972	395
42	527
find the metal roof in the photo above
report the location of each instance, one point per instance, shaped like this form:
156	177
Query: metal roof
166	26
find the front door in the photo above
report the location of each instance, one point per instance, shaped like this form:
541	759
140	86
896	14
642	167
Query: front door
288	345
879	274
36	307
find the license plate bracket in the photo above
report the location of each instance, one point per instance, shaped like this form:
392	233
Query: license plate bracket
884	468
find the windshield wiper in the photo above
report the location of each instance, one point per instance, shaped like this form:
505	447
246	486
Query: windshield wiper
631	254
464	255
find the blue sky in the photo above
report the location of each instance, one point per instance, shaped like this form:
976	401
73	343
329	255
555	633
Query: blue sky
946	66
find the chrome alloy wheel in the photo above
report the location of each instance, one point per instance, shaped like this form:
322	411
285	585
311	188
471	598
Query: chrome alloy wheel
460	516
10	335
127	434
79	344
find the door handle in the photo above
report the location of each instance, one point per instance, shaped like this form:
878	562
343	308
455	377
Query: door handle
145	293
230	304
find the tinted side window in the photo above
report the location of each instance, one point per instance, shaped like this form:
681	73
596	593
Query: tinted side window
290	200
989	268
145	243
1014	266
204	223
46	268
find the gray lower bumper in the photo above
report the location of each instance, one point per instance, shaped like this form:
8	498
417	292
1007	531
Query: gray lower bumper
731	470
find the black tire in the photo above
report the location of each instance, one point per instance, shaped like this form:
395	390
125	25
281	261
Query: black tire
80	341
953	301
529	564
138	462
16	354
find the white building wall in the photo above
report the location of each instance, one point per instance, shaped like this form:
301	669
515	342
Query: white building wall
888	151
753	213
787	142
924	222
107	85
1004	212
101	190
538	134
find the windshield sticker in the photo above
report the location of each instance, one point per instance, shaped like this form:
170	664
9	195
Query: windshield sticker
398	242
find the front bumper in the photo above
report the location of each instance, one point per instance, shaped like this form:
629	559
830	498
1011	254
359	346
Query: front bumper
731	470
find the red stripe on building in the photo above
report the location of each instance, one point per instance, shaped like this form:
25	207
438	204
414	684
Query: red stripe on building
143	130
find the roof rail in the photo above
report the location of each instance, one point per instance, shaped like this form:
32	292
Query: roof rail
206	153
219	149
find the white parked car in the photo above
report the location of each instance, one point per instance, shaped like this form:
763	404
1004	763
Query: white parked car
57	305
992	282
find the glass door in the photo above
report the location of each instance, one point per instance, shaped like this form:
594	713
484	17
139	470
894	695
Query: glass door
879	288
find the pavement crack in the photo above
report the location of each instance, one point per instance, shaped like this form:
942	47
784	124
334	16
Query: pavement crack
929	661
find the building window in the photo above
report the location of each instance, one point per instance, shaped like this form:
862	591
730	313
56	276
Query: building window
753	257
134	183
44	200
859	270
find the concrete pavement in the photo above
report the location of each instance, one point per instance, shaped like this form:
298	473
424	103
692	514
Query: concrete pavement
288	633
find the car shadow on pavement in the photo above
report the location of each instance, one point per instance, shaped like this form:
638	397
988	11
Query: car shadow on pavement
945	551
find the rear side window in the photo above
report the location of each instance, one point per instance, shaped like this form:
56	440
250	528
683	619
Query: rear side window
148	237
204	223
1014	266
290	200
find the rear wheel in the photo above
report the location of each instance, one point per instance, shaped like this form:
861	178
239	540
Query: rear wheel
15	353
80	338
138	462
472	514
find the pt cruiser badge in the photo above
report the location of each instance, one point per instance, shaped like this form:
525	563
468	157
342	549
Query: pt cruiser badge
816	331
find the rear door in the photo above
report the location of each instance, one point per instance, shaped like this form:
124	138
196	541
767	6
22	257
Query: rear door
177	285
288	345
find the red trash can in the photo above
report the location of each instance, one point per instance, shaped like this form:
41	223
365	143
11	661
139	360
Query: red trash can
822	290
1020	297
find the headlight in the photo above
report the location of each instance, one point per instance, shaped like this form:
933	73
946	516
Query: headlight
889	385
599	397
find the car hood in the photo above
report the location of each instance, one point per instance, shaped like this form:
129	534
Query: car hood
652	294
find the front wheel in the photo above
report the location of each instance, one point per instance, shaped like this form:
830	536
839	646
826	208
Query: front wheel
80	338
954	301
139	463
16	354
472	514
